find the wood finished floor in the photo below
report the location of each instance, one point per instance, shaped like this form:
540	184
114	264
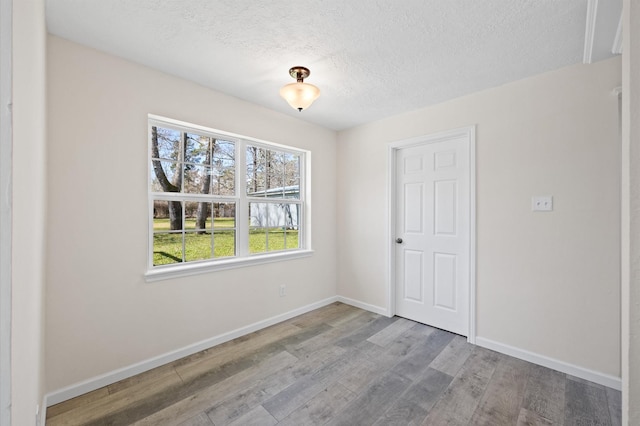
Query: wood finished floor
340	365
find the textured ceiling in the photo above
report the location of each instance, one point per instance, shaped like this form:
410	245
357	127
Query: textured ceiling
370	59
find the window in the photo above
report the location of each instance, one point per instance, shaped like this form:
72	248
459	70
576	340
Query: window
219	200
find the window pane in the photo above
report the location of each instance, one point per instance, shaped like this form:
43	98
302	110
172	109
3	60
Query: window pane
198	216
224	163
269	215
275	215
167	215
279	219
292	190
224	243
224	215
275	174
224	152
197	246
256	163
167	249
275	239
165	176
292	239
197	179
258	215
292	175
274	227
257	227
223	180
165	143
291	214
257	240
198	149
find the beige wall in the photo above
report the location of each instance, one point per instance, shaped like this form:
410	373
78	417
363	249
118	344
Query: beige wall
29	207
631	214
101	314
548	283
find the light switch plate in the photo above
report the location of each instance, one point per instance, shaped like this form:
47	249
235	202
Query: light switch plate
542	203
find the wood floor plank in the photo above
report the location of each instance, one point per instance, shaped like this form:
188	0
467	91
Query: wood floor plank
391	355
363	333
375	360
331	336
82	400
585	404
390	333
142	379
199	420
120	402
500	404
367	408
350	316
240	345
363	372
545	393
327	314
414	405
529	418
256	417
235	404
205	398
423	354
614	398
238	358
321	408
294	396
453	356
194	383
460	400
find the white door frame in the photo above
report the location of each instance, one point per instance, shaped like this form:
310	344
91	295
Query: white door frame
6	143
468	132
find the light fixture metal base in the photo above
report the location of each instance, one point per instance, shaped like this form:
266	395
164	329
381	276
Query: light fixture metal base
299	73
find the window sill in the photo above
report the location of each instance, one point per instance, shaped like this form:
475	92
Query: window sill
176	271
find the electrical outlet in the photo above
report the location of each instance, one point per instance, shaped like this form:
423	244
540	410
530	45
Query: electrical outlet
542	203
283	290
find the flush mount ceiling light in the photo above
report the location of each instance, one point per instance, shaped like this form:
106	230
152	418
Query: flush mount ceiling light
300	95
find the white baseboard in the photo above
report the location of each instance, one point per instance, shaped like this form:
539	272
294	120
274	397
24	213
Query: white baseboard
92	384
362	305
564	367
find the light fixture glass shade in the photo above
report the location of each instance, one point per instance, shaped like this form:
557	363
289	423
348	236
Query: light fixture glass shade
300	95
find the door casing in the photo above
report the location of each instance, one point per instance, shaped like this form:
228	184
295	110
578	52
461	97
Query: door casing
470	133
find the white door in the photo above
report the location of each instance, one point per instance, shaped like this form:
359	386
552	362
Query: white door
432	246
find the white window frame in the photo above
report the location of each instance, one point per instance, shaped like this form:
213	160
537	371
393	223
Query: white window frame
243	258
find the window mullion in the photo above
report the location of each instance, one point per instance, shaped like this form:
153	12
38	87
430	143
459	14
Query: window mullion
266	228
184	235
302	197
181	160
242	205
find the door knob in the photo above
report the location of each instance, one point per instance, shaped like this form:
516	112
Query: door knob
399	240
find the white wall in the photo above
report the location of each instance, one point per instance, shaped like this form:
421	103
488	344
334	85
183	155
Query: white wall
631	214
548	283
29	209
101	314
